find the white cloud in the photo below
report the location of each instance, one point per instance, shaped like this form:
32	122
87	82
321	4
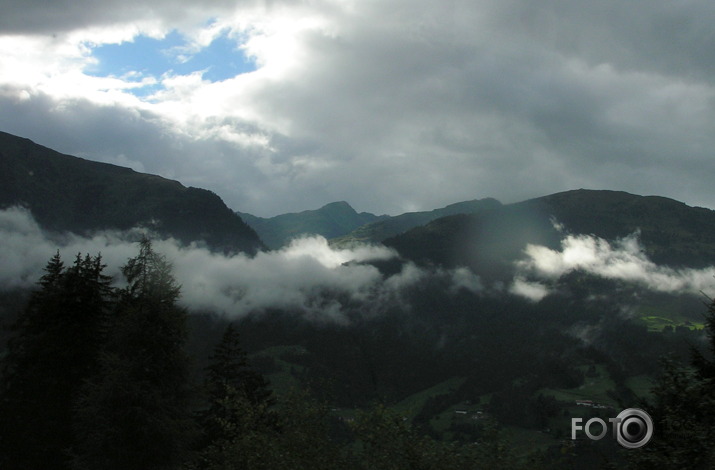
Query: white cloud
533	291
25	248
307	276
463	278
623	260
295	277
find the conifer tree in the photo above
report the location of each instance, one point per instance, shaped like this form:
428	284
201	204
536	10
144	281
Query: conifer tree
134	413
229	369
239	399
53	352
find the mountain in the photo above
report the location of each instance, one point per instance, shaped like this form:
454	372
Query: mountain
332	220
390	226
66	193
670	232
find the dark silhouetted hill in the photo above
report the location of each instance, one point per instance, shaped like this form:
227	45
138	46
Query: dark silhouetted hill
390	226
67	193
671	232
332	220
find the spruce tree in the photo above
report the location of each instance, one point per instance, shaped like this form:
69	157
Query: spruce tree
229	370
134	412
53	351
238	397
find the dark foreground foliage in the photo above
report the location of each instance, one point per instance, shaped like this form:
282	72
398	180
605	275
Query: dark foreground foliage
683	412
99	377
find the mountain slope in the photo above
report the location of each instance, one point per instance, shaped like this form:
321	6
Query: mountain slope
67	193
671	232
331	220
391	226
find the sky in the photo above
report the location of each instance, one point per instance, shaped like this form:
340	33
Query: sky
280	106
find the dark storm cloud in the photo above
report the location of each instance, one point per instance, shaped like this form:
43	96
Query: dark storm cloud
59	16
132	138
401	105
670	38
483	101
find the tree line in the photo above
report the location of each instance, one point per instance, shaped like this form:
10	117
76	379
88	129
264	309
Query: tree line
97	376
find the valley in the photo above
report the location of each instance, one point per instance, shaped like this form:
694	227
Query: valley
477	319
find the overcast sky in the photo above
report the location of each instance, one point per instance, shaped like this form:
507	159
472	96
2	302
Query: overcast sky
280	106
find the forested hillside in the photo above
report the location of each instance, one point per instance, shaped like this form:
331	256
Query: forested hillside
671	233
67	193
380	230
468	342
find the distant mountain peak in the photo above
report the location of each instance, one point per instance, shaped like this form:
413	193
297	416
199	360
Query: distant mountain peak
331	220
338	205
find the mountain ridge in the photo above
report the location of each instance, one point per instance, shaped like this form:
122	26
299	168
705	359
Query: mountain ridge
670	232
378	231
67	193
331	220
